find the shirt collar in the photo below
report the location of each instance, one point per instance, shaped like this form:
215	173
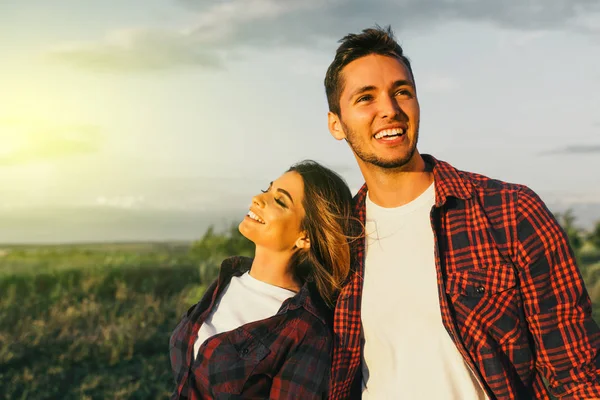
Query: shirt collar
306	298
447	180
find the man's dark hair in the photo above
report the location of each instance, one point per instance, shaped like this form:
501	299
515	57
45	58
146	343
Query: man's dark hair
353	46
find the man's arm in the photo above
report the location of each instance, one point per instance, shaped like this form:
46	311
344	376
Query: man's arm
557	305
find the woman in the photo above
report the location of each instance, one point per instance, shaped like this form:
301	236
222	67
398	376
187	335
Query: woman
262	329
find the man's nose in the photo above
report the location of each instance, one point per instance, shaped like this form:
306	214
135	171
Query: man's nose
389	107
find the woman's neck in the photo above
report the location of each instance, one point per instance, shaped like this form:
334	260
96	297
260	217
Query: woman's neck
274	268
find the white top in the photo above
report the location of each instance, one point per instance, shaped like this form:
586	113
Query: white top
244	300
408	353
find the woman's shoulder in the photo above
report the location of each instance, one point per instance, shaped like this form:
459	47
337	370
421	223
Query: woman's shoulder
308	310
301	329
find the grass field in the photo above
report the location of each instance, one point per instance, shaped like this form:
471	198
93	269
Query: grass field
93	321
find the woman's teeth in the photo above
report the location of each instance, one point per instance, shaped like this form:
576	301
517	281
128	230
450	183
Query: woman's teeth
255	217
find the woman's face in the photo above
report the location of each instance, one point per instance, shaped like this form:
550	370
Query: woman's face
275	216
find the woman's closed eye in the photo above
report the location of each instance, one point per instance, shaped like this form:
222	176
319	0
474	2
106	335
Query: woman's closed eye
277	199
280	202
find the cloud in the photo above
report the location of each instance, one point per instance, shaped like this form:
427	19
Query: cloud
135	50
121	201
226	26
588	23
299	23
30	141
575	149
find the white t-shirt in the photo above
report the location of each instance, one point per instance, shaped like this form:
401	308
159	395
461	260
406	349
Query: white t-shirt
408	353
244	300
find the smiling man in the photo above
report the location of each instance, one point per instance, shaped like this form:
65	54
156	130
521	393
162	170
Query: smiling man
465	287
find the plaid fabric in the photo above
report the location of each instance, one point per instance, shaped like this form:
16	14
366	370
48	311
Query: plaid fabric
512	298
287	356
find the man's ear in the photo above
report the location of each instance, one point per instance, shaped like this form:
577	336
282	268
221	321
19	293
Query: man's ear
303	242
335	126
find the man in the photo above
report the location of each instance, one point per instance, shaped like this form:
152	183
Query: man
465	286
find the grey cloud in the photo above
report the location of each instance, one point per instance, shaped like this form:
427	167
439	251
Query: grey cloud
575	149
294	25
234	25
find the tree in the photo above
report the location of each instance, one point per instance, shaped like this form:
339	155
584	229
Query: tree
575	234
213	248
594	236
221	245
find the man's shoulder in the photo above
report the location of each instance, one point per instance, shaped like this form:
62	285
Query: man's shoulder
492	191
482	183
487	184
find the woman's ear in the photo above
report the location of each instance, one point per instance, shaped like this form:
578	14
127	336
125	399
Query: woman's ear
303	242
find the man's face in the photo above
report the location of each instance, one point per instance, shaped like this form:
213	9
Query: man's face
379	111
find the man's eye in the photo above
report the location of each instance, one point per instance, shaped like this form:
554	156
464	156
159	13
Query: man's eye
364	98
404	92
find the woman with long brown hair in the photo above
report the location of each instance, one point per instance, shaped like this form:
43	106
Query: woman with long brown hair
262	330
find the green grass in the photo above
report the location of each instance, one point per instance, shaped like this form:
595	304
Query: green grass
94	321
91	325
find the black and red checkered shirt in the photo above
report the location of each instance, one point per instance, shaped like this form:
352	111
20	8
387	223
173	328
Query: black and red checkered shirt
512	298
287	356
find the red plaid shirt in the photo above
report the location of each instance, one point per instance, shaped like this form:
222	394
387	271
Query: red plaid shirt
287	356
512	298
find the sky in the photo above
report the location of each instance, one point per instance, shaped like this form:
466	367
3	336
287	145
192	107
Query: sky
127	120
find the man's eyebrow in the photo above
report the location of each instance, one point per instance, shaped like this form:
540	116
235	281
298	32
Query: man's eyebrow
368	88
362	89
403	82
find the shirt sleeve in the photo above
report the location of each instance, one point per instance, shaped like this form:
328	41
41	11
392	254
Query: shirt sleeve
556	303
305	373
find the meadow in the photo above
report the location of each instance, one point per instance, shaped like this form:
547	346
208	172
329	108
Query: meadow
93	321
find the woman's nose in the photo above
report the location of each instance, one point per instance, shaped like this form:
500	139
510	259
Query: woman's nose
259	200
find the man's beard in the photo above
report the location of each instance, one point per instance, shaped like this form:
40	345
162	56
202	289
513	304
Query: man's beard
372	158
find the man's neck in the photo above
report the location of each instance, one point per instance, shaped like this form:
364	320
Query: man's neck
396	187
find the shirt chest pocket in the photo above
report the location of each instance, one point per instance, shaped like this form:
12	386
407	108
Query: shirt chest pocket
233	361
487	301
481	282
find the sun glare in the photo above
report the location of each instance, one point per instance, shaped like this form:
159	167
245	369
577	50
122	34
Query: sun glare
33	141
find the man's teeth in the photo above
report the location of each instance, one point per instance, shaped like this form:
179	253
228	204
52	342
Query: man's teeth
389	132
255	217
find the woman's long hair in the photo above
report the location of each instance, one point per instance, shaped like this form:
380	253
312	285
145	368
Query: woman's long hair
328	221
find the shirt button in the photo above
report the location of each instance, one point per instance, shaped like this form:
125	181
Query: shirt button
245	351
480	290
